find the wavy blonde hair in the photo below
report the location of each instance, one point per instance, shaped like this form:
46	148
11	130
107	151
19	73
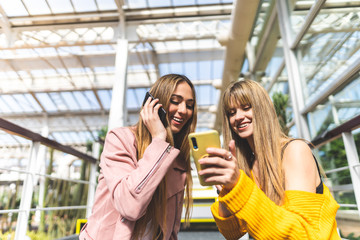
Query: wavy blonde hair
162	89
268	136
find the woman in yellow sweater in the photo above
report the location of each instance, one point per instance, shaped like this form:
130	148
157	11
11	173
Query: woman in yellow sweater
269	184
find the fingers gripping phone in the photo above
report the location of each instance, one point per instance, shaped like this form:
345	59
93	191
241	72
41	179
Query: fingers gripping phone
198	143
162	112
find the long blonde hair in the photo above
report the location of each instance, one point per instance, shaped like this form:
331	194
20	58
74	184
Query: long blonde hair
267	134
162	89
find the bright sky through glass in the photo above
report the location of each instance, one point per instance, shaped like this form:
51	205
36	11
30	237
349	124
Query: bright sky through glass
36	7
14	8
57	62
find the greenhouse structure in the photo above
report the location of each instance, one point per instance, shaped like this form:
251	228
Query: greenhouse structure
71	70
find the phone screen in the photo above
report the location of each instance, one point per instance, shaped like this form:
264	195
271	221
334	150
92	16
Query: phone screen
162	112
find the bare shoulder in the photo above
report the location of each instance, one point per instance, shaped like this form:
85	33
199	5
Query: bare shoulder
299	166
296	147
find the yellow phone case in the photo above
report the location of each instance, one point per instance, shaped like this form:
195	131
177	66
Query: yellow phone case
198	143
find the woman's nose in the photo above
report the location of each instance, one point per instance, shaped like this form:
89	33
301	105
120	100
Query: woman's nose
239	115
182	108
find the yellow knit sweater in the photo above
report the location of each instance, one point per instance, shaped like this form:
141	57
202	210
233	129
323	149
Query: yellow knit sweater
303	215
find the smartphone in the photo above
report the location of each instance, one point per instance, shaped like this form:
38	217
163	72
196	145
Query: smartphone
162	112
198	144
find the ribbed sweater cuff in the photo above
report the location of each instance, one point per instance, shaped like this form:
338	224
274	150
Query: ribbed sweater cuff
239	195
226	225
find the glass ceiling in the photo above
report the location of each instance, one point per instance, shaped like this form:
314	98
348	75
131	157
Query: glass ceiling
57	60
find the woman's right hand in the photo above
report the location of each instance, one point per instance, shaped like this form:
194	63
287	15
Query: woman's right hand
222	167
151	119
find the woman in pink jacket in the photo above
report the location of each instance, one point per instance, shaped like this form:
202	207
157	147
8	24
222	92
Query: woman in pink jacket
145	168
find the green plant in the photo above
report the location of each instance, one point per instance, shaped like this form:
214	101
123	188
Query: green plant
34	235
351	236
281	102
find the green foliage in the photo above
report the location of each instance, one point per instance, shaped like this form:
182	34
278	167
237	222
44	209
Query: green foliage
38	235
332	156
281	101
101	137
351	236
32	234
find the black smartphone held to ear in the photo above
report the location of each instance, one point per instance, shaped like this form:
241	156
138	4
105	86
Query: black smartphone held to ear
162	112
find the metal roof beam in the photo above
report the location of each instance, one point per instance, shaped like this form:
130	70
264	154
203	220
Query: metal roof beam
244	14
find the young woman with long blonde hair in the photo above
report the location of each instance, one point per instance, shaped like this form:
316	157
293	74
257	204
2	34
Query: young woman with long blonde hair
270	185
146	168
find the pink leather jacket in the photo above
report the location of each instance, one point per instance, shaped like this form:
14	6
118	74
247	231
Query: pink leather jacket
126	186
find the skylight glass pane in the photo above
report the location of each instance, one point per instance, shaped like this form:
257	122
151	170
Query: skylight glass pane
95	134
13	105
82	136
176	67
63	6
88	136
4	107
131	99
191	70
36	7
23	102
82	101
70	100
46	102
74	136
33	103
14	8
183	2
105	97
136	3
84	5
164	68
59	101
157	3
205	95
217	69
204	70
58	137
106	4
66	138
92	99
208	1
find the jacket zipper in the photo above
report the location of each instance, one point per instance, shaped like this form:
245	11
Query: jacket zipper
142	183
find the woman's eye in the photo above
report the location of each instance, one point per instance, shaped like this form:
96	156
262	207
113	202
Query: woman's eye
247	107
174	102
190	106
231	113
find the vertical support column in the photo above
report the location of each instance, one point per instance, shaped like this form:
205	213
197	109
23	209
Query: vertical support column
41	168
92	180
354	164
296	89
26	195
117	116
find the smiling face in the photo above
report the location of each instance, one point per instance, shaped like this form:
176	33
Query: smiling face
181	107
240	119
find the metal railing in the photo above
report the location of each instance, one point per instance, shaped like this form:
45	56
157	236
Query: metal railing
33	175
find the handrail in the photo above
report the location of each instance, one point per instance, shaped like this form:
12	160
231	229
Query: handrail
328	135
44	175
25	133
337	170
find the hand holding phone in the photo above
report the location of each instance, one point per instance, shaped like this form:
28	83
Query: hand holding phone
162	112
199	142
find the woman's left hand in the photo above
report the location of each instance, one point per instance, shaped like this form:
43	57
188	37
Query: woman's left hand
221	166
